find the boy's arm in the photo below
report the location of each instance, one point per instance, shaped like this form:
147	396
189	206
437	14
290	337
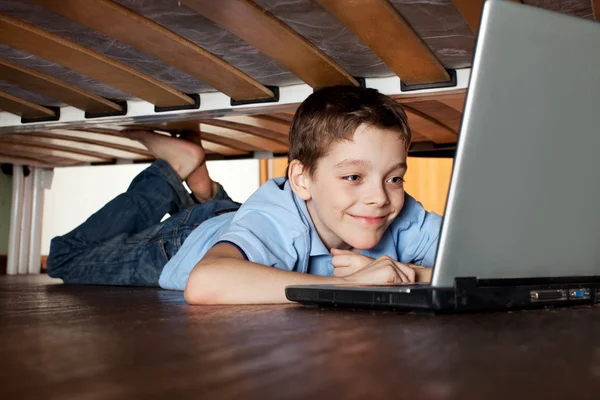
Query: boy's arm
223	276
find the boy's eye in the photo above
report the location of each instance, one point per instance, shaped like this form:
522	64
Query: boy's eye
396	180
352	178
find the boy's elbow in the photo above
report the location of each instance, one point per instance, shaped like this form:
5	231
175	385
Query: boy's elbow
197	291
193	296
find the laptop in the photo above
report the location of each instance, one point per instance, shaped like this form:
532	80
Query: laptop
522	220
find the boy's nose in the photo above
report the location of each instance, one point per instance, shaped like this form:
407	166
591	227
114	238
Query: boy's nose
376	195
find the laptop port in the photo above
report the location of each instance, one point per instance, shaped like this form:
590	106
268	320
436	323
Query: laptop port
548	295
579	294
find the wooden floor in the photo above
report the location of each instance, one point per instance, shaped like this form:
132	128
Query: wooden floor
68	342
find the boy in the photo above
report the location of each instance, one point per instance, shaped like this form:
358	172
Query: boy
343	194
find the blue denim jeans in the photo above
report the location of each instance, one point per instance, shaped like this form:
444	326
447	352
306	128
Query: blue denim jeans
124	243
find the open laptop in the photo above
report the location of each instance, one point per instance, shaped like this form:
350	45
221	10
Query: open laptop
522	221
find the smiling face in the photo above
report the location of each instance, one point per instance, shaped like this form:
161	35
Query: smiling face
357	188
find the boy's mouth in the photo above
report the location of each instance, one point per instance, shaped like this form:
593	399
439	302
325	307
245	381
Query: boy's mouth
369	220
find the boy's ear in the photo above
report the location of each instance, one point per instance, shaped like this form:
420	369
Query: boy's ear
299	180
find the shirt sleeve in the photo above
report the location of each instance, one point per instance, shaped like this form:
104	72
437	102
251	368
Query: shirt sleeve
263	238
416	233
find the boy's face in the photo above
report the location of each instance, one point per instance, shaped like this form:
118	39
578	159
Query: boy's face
357	189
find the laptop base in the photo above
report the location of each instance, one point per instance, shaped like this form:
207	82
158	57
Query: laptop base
467	295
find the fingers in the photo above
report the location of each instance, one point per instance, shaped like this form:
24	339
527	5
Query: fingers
407	273
352	259
342	260
336	252
362	269
346	264
343	271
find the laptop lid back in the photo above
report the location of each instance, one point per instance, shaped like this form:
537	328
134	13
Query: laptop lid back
525	194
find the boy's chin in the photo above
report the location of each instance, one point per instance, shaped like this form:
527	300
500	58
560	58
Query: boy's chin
363	243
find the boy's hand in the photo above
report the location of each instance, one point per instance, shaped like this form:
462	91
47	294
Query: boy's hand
422	274
383	270
346	262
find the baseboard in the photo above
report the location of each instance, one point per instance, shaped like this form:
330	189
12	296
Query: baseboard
4	261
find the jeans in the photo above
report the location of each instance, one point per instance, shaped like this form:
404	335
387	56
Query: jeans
124	243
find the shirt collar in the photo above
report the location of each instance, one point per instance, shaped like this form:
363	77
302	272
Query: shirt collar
317	247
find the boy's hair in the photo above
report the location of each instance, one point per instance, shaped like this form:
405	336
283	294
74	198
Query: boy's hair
333	114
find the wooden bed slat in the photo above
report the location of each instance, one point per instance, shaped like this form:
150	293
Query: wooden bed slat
382	28
4	159
23	108
56	144
33	157
258	142
35	81
416	136
279	42
272	124
228	142
284	117
209	147
24	36
234	147
410	96
88	146
220	135
220	149
430	127
26	147
242	127
110	135
457	102
146	35
115	142
446	115
471	12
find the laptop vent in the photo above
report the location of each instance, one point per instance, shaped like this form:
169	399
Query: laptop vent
305	295
353	297
412	299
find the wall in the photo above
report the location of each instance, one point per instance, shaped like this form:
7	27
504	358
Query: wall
5	203
78	192
428	181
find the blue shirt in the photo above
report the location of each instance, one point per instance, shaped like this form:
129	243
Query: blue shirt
273	228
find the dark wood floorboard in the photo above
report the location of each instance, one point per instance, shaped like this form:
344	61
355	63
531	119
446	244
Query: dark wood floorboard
73	342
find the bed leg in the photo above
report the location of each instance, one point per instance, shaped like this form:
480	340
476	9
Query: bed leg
25	232
14	236
41	180
25	235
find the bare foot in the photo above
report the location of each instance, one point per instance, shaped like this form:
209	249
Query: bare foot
184	156
203	188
